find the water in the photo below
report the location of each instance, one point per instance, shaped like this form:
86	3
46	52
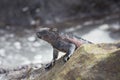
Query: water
99	35
16	50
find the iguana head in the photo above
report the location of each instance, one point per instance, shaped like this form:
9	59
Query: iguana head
46	33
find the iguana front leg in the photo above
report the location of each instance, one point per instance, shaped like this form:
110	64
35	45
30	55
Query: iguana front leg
71	49
55	56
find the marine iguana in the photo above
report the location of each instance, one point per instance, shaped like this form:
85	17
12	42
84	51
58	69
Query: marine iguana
60	42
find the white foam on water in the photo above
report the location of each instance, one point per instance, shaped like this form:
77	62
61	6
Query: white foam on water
99	35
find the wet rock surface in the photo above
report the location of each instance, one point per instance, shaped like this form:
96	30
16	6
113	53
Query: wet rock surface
22	72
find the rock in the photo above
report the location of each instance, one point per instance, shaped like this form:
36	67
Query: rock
89	62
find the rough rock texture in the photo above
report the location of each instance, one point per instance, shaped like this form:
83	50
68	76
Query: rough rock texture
89	62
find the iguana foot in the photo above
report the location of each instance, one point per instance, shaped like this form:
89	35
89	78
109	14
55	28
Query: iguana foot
49	65
66	58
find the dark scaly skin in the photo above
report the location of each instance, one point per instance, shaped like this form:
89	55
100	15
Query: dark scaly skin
60	42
